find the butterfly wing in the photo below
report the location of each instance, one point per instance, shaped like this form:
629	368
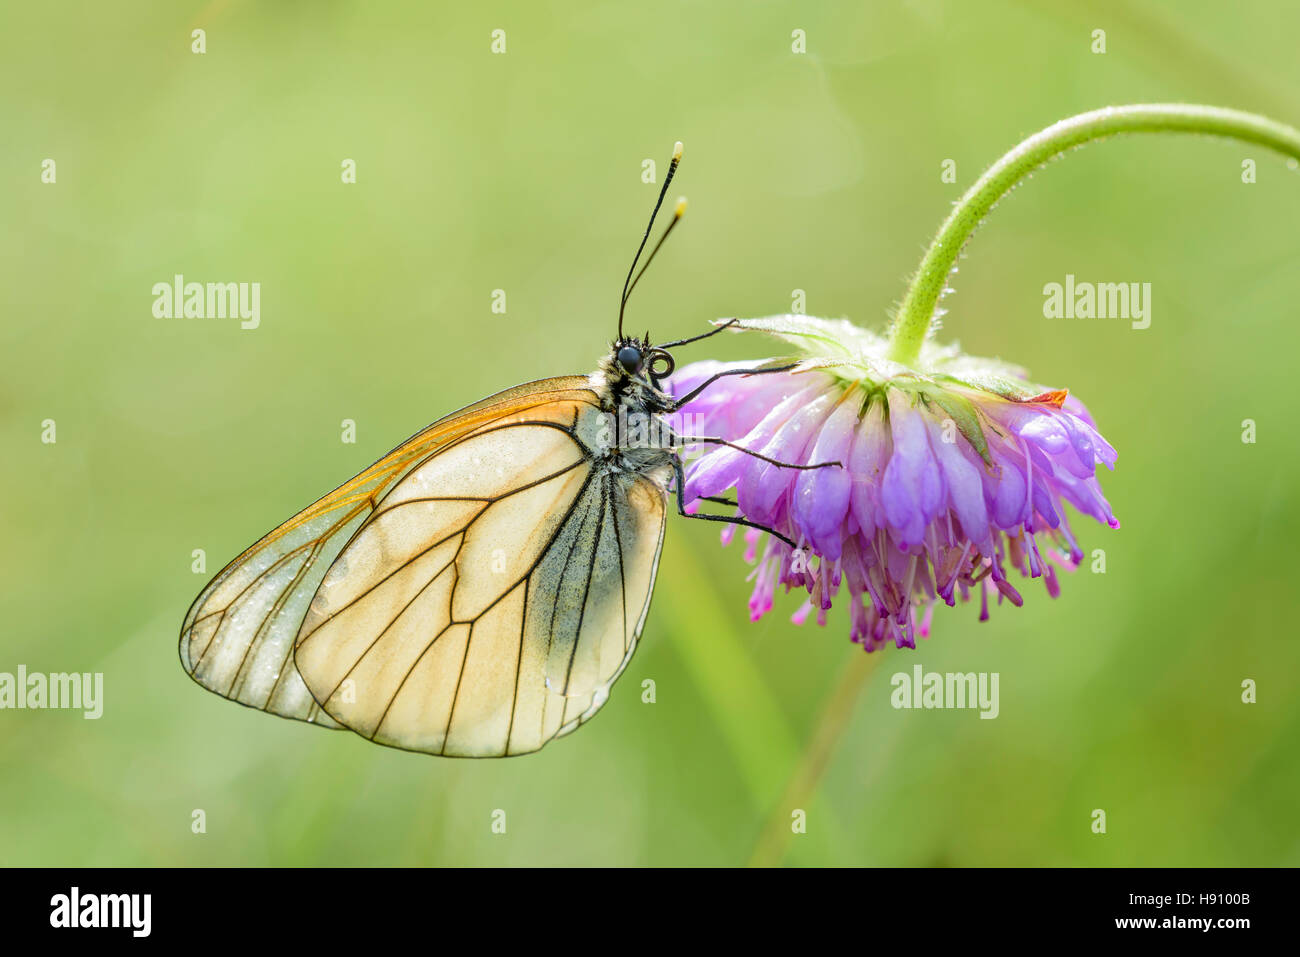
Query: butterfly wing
495	594
238	636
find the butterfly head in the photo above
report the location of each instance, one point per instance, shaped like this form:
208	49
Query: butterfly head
634	361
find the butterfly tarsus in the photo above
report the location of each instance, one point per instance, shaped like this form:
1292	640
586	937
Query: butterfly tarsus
718	500
693	440
704	335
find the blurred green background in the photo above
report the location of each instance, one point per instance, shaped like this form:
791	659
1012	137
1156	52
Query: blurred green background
522	172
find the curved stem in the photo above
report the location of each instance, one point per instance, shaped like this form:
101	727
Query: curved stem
914	319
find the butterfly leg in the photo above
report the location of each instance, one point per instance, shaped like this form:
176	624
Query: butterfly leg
677	441
675	404
719	500
694	439
729	519
704	335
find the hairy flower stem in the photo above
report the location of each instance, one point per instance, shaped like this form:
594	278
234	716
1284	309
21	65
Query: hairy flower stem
914	319
772	842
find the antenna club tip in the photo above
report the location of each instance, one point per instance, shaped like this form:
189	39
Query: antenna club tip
681	206
677	150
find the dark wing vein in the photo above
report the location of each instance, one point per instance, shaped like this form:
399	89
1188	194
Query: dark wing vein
392	621
622	571
591	571
519	664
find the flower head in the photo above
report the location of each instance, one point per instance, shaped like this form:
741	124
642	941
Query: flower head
952	475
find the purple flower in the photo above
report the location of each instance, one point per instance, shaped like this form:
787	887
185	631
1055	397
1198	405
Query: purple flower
953	474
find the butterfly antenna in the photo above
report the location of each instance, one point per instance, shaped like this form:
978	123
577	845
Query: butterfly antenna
627	283
677	215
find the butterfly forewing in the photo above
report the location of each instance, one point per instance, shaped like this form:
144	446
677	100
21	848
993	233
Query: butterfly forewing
238	638
494	595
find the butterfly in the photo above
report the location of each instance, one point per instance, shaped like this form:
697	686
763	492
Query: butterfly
478	590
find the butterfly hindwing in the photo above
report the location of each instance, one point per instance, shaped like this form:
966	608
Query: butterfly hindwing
493	597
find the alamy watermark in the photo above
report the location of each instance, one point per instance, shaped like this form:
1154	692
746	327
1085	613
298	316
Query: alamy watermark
179	299
933	689
75	909
1098	300
641	430
75	691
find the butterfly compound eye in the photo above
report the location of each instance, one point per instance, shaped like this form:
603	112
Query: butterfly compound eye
629	357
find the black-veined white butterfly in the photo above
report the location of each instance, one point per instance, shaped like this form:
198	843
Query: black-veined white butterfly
477	590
